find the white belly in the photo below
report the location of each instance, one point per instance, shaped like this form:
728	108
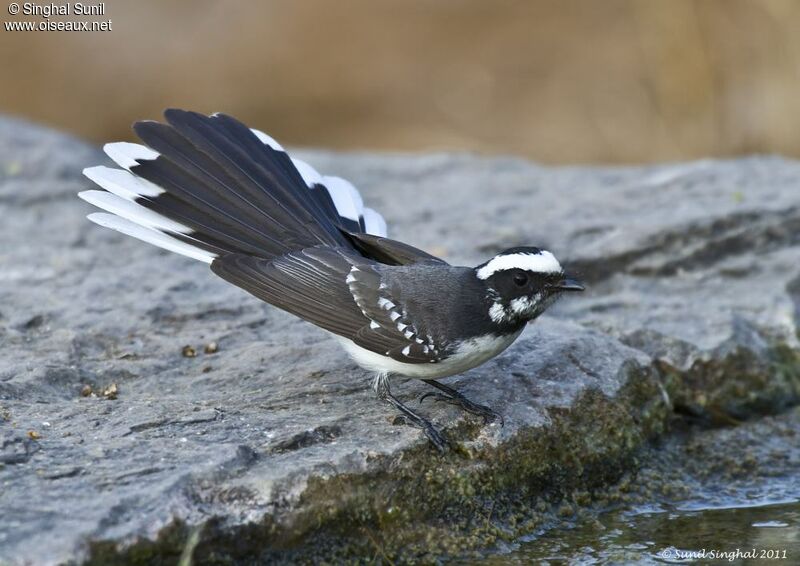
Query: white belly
470	353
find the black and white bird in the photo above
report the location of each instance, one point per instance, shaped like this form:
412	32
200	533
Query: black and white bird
214	190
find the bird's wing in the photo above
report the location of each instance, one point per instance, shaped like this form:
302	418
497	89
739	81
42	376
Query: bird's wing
390	252
335	289
212	189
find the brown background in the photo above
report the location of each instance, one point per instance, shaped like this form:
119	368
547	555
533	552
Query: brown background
559	81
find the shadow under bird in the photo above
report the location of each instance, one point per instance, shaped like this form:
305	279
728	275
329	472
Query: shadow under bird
214	190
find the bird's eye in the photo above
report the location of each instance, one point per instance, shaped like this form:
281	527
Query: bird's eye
520	279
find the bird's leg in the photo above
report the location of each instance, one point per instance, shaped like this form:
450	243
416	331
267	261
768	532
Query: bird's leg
381	385
450	395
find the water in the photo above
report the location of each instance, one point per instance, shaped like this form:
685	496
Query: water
638	537
698	499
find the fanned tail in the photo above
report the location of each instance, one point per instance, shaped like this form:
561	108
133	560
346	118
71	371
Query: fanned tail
207	186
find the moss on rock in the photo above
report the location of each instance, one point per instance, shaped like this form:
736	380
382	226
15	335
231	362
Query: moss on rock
418	506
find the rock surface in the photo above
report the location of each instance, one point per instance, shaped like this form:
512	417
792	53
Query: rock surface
118	444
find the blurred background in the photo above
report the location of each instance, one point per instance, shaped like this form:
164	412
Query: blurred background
567	81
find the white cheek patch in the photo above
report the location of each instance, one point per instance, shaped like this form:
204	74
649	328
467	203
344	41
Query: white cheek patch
518	308
522	306
497	313
543	262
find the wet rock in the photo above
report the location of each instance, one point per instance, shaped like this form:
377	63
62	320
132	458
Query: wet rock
731	487
279	451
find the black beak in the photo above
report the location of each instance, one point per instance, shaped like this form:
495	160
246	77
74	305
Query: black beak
568	284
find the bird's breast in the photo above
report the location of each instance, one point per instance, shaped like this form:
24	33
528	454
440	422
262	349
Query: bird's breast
467	354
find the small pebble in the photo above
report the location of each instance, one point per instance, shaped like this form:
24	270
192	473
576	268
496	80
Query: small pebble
33	435
111	392
211	348
189	352
86	390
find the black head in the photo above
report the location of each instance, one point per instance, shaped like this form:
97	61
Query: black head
522	282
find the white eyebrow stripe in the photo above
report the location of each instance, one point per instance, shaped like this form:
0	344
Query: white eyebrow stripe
543	262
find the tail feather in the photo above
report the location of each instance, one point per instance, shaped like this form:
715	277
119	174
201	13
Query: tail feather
267	140
151	236
203	192
206	222
209	186
269	179
374	223
122	183
134	212
347	201
127	155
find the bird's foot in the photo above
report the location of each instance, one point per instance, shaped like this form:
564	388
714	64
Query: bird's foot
410	417
434	435
436	438
453	397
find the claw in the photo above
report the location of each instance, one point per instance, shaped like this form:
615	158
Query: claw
409	416
487	414
436	438
426	395
490	416
439	397
455	398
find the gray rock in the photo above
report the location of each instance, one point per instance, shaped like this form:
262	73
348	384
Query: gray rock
114	446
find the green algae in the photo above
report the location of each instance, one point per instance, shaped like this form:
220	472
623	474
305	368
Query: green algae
701	488
739	386
417	506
